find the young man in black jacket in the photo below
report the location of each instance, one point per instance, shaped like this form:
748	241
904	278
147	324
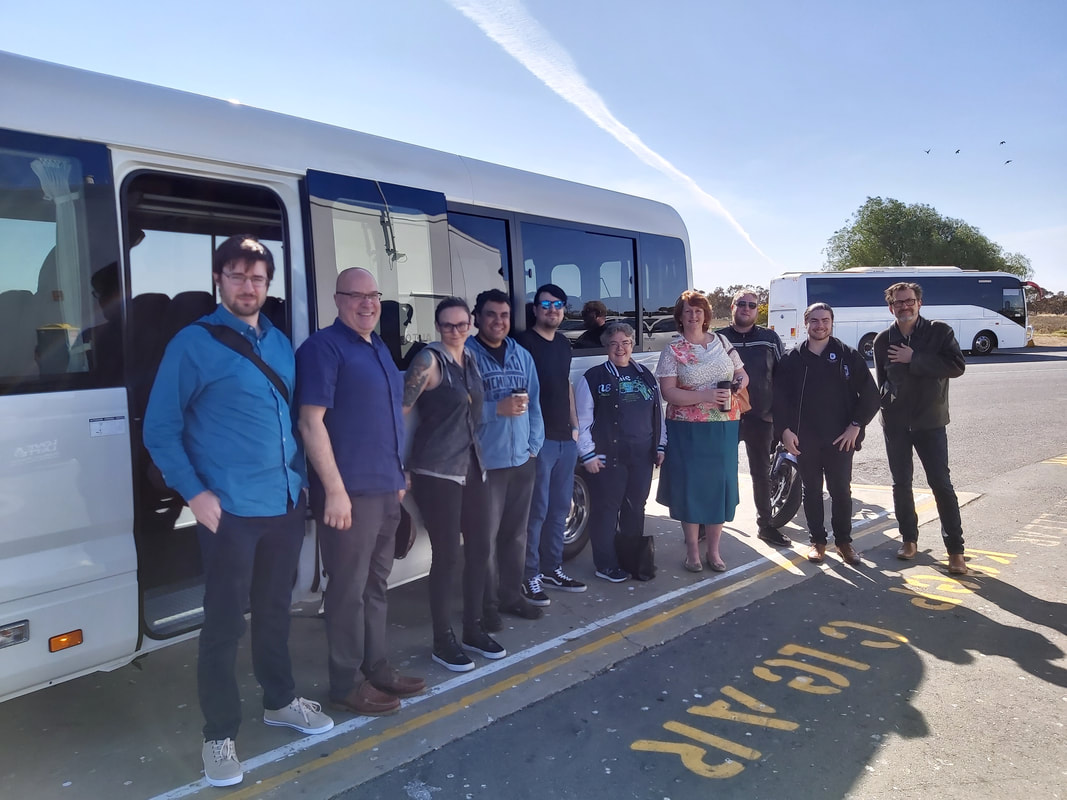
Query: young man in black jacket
761	350
914	359
824	397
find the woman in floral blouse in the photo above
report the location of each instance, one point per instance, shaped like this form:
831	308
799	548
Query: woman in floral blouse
698	482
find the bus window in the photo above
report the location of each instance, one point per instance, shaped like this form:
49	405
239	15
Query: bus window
478	248
587	266
663	278
58	266
173	224
398	233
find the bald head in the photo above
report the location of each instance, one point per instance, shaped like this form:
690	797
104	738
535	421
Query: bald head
358	304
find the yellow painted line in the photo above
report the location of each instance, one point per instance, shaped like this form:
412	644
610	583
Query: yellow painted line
1061	460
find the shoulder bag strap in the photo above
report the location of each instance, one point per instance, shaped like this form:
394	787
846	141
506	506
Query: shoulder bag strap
240	345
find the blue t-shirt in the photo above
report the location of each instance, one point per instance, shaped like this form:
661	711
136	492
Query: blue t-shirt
360	387
214	421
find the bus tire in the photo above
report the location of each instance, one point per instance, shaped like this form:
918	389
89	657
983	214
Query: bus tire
984	343
866	347
576	529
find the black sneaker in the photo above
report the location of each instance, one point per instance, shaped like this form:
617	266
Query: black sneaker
613	574
558	579
531	590
481	642
775	537
521	609
491	620
450	655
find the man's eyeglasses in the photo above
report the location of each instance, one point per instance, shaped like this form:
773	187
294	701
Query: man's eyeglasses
909	303
240	278
357	296
556	304
746	304
457	327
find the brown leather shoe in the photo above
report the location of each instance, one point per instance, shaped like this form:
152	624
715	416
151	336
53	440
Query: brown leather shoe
390	681
816	553
848	554
367	700
907	551
957	564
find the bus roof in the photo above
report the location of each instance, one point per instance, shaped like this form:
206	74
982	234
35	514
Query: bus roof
51	99
899	272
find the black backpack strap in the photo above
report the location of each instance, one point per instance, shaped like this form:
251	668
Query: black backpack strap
240	345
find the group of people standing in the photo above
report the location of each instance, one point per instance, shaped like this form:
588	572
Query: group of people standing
496	430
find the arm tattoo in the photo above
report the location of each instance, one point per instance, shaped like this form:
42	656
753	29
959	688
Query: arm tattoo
415	379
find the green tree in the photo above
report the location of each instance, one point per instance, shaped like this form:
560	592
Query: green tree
886	233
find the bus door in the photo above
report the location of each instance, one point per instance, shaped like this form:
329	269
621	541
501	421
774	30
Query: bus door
401	235
68	596
174	215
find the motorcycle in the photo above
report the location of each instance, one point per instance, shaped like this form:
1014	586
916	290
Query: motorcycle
786	491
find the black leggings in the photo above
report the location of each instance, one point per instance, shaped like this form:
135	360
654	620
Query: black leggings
440	503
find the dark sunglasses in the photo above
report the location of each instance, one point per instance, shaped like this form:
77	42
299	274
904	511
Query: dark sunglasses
556	304
746	304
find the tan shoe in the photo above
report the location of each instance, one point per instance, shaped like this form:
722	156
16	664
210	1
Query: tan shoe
907	551
848	554
957	564
816	553
369	701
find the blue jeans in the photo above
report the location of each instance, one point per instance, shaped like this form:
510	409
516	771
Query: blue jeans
549	506
247	561
932	449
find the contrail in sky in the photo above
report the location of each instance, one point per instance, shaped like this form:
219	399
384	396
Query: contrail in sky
510	25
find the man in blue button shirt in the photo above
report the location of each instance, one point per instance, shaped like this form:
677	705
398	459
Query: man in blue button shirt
349	392
222	435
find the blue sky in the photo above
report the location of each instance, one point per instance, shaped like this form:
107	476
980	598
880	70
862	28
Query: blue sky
788	114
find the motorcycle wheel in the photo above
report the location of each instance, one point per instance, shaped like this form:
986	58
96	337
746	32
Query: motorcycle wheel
786	494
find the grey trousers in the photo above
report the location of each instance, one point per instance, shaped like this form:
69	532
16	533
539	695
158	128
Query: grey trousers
500	508
358	562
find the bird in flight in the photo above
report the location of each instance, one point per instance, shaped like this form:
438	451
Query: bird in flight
957	152
1003	142
1008	161
928	151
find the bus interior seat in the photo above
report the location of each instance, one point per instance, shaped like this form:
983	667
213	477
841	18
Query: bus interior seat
18	333
274	309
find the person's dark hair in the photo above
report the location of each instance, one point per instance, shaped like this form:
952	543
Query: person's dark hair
489	296
450	302
616	327
242	249
691	297
552	291
595	308
818	307
105	281
901	286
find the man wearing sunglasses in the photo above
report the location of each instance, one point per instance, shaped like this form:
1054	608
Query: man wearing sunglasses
914	359
761	349
554	480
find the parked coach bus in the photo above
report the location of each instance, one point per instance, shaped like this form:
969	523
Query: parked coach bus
113	195
986	309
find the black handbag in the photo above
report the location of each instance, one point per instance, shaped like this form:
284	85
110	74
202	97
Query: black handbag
636	555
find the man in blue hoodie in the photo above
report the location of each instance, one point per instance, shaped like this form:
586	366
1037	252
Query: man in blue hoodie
510	434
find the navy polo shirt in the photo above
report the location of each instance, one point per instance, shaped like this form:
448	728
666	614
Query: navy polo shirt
361	388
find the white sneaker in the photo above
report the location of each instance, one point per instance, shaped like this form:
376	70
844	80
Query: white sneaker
221	767
303	715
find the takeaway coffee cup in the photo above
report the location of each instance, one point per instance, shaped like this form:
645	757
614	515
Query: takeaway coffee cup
522	395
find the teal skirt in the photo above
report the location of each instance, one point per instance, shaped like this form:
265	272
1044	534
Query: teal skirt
698	480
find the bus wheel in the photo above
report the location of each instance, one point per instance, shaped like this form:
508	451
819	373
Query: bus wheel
576	530
867	346
983	344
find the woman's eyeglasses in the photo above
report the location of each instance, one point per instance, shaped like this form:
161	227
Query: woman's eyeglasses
454	327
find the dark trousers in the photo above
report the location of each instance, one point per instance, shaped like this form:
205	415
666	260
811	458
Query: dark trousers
758	436
497	511
932	448
617	495
440	503
358	562
815	462
248	561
